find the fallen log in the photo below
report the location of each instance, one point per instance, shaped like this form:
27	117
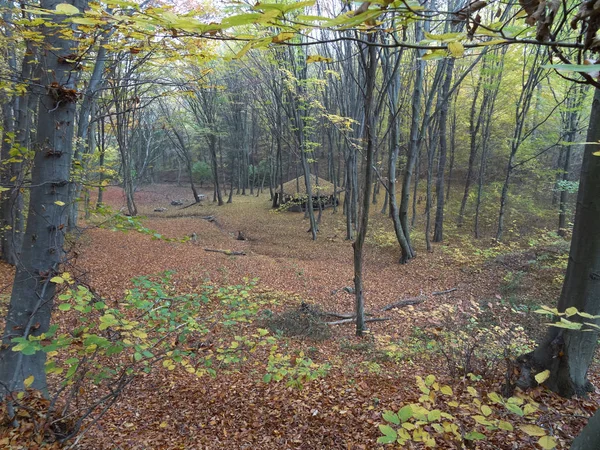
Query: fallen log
405	302
226	252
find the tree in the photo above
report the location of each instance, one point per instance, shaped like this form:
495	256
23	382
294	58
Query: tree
565	352
42	253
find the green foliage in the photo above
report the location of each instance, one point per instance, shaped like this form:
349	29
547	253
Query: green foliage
297	370
152	327
582	321
466	343
441	413
568	186
202	171
106	218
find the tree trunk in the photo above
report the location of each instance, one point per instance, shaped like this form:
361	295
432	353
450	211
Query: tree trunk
31	300
370	67
568	353
589	438
414	139
215	168
438	233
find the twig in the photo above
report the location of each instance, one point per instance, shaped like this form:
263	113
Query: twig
343	321
226	252
444	292
406	302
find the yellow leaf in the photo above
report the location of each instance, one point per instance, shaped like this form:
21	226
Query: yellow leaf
67	9
542	376
472	391
533	430
59	203
507	426
28	381
317	58
486	410
281	37
446	390
57	280
547	442
164	425
596	153
571	311
456	49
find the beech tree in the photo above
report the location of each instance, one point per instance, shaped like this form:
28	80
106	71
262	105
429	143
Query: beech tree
42	252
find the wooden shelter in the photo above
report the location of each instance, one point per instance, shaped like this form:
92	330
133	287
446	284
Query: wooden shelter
294	194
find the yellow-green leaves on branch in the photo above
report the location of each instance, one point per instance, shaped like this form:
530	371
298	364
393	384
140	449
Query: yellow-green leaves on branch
456	49
66	9
317	58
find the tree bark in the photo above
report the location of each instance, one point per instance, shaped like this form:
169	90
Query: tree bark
370	67
568	353
438	233
31	300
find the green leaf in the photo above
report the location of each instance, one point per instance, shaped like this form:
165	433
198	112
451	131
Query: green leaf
391	417
474	436
571	311
57	280
506	426
547	442
542	376
405	413
515	409
494	397
446	390
567	324
390	434
456	49
533	430
434	415
67	9
64	306
429	380
267	378
486	410
446	37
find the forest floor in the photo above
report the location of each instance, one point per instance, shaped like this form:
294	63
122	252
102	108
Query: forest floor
475	301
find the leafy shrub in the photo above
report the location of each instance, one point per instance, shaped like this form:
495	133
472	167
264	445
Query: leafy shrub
106	348
469	345
297	370
438	415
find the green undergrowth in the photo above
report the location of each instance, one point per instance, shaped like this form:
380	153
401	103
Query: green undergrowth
95	349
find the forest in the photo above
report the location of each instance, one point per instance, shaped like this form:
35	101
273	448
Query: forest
306	224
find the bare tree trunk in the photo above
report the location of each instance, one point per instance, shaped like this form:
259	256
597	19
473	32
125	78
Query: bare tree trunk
31	300
438	234
568	353
370	67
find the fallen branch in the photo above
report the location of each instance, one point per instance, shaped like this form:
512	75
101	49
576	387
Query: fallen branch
226	252
353	319
444	292
342	315
209	218
191	204
406	302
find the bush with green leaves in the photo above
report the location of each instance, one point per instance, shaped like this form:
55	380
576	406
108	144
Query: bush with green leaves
152	327
442	415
